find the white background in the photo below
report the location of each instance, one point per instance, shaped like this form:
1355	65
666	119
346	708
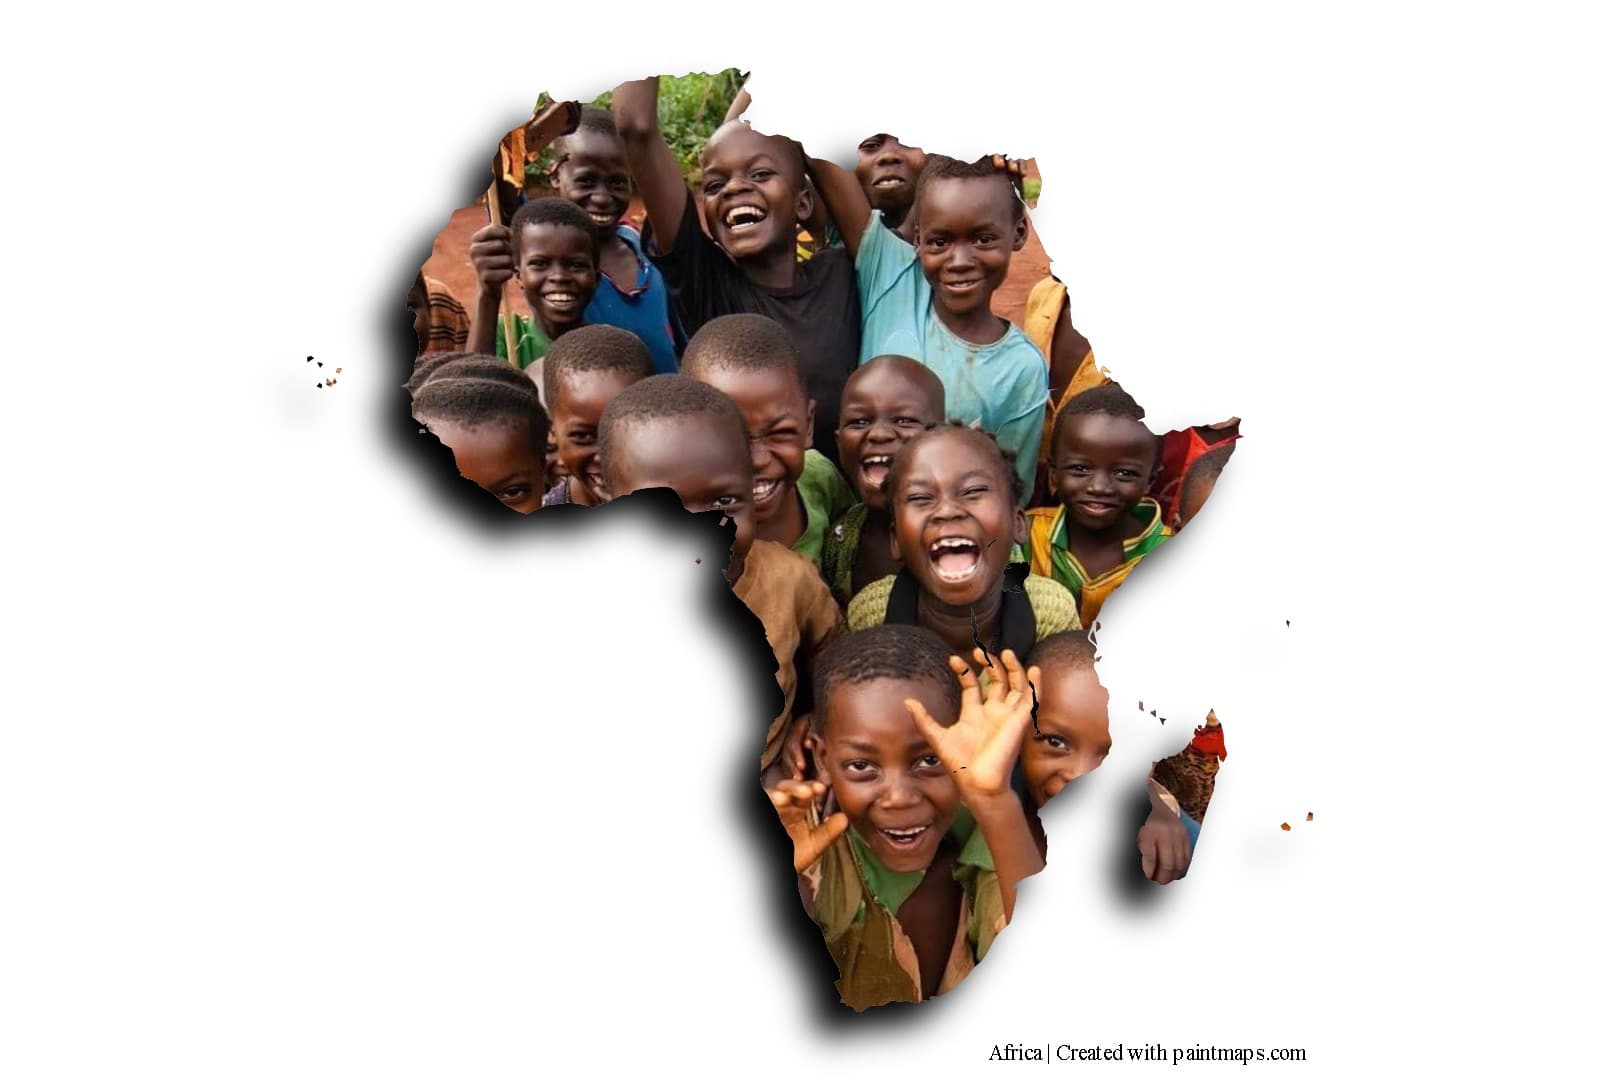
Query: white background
307	772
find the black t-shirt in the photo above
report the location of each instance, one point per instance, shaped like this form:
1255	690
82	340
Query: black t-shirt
821	310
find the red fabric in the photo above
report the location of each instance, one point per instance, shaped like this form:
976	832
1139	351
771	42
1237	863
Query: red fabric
1211	742
1180	450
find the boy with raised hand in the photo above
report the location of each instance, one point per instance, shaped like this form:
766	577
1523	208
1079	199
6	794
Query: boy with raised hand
754	195
913	872
552	250
931	299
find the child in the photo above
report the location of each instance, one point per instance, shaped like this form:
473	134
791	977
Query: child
1071	368
1103	459
1070	735
490	417
675	432
552	249
888	401
912	876
954	502
888	175
589	171
1069	739
932	301
439	319
583	372
1199	483
754	194
797	490
1184	449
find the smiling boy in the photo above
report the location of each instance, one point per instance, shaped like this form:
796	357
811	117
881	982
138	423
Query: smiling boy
589	170
887	402
583	373
1103	461
671	431
931	300
551	248
754	195
797	490
912	874
888	171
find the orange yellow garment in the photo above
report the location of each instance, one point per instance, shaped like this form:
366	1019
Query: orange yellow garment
1049	555
1041	315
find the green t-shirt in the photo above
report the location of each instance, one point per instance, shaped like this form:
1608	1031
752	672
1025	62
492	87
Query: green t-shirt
532	341
826	497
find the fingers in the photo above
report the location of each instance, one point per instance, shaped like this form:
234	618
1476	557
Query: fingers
812	847
925	723
1035	681
1150	854
969	682
1017	678
797	794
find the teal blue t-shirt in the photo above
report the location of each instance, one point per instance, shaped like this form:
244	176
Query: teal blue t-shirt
1001	386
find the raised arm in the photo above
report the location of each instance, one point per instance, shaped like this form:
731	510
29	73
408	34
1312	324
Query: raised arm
491	254
845	199
980	750
657	174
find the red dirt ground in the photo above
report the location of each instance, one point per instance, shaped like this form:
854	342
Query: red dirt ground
449	264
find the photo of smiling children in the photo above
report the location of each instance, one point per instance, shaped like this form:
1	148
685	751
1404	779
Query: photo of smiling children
932	485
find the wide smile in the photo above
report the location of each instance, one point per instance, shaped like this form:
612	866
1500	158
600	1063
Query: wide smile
955	559
965	285
560	299
744	218
884	182
906	840
766	490
602	218
875	469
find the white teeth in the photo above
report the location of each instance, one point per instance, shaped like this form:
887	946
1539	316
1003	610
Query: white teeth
953	543
888	181
877	459
906	834
558	297
764	489
744	215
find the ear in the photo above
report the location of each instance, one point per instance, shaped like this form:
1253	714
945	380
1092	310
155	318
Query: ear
1051	480
818	751
1020	231
809	422
894	541
804	205
1020	527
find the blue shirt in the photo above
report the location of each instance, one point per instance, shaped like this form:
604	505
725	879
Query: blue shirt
645	312
1001	386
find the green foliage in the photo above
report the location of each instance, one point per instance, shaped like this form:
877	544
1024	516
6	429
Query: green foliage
690	107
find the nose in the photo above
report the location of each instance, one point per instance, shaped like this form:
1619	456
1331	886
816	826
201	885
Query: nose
898	793
881	433
960	257
735	183
1099	482
947	509
890	155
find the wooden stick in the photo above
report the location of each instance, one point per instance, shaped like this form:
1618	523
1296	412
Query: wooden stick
492	204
